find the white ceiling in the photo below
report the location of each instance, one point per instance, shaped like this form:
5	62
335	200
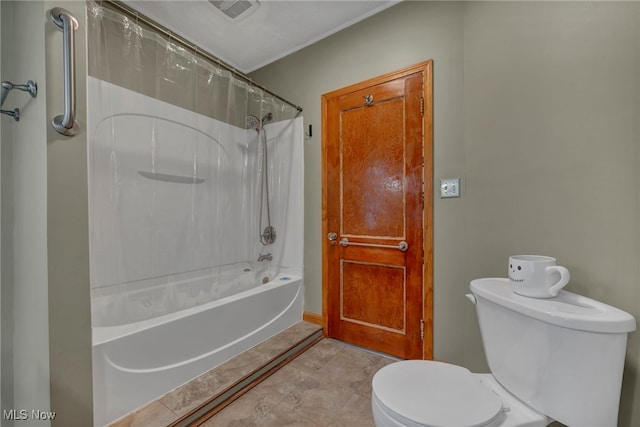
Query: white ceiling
275	29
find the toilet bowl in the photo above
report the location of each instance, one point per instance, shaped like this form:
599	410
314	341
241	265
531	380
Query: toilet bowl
559	359
435	394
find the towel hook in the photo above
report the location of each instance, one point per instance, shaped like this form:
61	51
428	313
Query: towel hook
6	87
15	113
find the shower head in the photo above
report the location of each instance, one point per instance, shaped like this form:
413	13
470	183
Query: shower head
253	123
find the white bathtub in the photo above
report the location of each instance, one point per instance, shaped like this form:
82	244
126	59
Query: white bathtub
136	363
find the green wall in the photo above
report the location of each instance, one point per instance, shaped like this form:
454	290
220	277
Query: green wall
24	325
536	108
68	237
46	319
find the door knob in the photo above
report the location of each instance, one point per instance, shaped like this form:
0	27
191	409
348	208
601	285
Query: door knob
332	237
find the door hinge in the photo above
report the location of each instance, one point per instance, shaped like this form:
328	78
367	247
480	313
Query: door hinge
421	329
423	186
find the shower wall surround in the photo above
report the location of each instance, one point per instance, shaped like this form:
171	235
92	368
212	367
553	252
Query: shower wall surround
174	204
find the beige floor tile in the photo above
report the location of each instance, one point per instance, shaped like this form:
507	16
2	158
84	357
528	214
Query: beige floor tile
317	400
353	369
191	395
281	417
247	411
356	413
154	414
318	356
282	385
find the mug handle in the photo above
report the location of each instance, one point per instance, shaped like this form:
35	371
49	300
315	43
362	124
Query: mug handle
564	279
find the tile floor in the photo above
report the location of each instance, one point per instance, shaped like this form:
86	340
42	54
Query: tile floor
328	385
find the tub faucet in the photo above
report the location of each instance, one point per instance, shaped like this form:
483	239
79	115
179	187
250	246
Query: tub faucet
265	257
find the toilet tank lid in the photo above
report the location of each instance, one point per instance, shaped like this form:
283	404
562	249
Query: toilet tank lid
567	310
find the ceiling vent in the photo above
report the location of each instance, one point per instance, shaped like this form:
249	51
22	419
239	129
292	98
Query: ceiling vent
235	10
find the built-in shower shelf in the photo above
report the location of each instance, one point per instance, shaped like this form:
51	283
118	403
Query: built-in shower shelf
179	179
201	398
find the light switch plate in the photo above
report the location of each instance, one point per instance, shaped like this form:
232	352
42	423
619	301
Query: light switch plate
449	188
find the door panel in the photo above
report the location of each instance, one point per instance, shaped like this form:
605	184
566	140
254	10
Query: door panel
383	287
378	212
373	208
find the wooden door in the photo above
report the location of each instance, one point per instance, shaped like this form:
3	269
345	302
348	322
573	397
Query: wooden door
377	230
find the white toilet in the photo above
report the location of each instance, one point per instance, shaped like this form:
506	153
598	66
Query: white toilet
551	359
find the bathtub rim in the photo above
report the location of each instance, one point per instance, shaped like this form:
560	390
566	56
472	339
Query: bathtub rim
104	334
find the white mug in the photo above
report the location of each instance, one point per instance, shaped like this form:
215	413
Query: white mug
536	276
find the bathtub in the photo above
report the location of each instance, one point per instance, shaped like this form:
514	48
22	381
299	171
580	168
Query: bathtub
136	363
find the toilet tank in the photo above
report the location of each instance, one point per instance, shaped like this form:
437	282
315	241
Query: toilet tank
562	356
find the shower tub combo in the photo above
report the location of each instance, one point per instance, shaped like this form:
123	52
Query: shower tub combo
186	268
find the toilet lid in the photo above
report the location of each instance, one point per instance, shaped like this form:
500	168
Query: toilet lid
435	394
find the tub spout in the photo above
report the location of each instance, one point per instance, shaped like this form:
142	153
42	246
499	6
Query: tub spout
265	257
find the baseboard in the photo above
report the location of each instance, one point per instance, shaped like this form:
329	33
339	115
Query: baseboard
316	319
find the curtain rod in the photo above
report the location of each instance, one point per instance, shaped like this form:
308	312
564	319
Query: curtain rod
134	14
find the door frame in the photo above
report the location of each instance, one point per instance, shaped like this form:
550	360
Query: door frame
426	68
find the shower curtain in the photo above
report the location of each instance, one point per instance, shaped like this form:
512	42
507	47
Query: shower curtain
175	176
